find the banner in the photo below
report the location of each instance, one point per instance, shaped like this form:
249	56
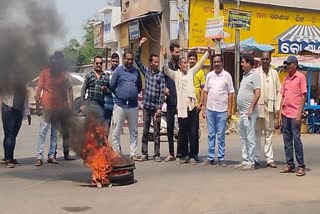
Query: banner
107	27
134	30
98	30
239	19
214	28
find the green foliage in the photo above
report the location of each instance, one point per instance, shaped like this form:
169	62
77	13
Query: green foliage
82	54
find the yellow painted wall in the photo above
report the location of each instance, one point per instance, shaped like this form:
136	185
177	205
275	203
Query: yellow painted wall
266	23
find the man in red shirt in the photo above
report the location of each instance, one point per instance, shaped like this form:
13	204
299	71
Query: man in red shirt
54	92
293	91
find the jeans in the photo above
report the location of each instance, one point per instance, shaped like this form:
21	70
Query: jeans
148	114
217	122
248	138
44	127
119	116
171	112
188	133
11	120
108	116
291	133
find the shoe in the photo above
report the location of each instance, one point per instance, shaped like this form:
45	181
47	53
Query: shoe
197	158
208	162
68	157
300	172
38	162
169	158
53	160
3	161
184	160
178	161
15	162
9	164
239	166
144	158
287	169
157	159
247	167
193	161
134	157
222	163
256	165
272	165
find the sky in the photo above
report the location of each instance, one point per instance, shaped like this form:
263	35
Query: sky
74	14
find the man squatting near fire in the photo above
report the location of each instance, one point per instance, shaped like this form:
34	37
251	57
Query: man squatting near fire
153	100
187	111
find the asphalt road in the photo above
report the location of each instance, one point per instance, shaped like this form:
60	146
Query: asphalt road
160	187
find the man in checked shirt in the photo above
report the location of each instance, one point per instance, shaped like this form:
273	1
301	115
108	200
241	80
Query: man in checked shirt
152	102
96	85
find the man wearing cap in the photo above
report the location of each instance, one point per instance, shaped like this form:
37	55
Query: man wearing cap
268	106
293	91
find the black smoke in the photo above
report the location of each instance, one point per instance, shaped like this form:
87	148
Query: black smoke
28	28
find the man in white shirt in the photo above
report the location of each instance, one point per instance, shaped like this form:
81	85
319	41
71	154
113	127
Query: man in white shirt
268	106
186	106
217	105
14	106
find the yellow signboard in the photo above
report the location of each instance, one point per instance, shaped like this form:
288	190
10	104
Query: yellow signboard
268	23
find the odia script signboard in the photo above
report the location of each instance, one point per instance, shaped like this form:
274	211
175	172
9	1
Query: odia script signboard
214	28
239	19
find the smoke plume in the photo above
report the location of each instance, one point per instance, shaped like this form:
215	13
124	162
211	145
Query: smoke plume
27	29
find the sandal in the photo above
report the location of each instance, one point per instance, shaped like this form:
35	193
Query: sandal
286	169
300	172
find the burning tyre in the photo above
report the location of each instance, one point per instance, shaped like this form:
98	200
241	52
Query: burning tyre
108	167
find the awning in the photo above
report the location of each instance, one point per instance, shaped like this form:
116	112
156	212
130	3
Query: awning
301	33
147	14
250	45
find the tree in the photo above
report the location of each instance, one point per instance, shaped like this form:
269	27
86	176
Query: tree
87	50
71	53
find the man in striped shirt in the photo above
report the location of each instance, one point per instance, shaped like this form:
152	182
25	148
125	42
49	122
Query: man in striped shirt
152	102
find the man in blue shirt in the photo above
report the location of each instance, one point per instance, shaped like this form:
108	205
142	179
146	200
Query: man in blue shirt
126	85
153	99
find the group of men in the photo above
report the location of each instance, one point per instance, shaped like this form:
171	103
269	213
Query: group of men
262	103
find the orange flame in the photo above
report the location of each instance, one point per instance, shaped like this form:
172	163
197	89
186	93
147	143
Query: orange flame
98	154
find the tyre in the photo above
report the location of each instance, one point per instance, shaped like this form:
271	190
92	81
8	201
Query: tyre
121	178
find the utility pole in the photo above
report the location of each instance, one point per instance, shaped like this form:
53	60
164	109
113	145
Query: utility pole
217	45
237	55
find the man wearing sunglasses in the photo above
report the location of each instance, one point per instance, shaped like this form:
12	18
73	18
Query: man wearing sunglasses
293	91
95	85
